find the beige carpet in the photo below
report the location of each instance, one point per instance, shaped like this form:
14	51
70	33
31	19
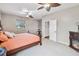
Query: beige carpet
49	48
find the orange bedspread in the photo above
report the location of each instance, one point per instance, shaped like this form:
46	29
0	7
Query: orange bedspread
20	40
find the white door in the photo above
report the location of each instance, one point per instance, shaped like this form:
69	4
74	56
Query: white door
52	30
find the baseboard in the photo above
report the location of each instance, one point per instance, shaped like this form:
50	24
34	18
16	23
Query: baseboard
60	42
63	43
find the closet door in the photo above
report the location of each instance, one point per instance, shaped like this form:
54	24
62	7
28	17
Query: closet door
52	29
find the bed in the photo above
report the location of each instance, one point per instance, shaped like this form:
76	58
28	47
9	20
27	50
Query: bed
20	42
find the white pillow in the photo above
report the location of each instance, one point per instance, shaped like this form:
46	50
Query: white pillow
13	34
9	34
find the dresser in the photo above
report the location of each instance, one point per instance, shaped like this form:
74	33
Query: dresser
74	40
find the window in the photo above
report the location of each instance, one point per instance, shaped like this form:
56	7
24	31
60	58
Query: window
20	24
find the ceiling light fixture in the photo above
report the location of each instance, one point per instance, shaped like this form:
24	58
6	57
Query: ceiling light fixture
27	15
24	10
46	5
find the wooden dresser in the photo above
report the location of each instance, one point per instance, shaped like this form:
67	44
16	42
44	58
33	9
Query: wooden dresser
74	40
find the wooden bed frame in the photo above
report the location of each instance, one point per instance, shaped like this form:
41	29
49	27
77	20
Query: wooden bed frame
11	52
14	51
8	53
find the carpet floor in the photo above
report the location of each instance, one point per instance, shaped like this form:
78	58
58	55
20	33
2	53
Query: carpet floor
48	48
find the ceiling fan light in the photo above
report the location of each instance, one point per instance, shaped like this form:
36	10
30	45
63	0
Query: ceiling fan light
24	10
30	13
46	5
27	15
48	9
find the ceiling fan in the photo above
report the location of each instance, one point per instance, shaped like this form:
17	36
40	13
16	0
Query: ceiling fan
48	6
27	13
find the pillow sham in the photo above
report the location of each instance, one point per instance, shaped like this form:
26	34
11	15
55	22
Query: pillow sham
10	34
13	34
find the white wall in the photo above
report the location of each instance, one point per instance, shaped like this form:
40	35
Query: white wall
47	28
40	24
44	20
66	21
9	23
0	15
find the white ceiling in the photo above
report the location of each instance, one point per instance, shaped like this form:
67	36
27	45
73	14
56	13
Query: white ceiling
15	8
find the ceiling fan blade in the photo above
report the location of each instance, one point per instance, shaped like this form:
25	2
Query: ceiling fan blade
41	3
54	4
40	7
31	16
48	9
